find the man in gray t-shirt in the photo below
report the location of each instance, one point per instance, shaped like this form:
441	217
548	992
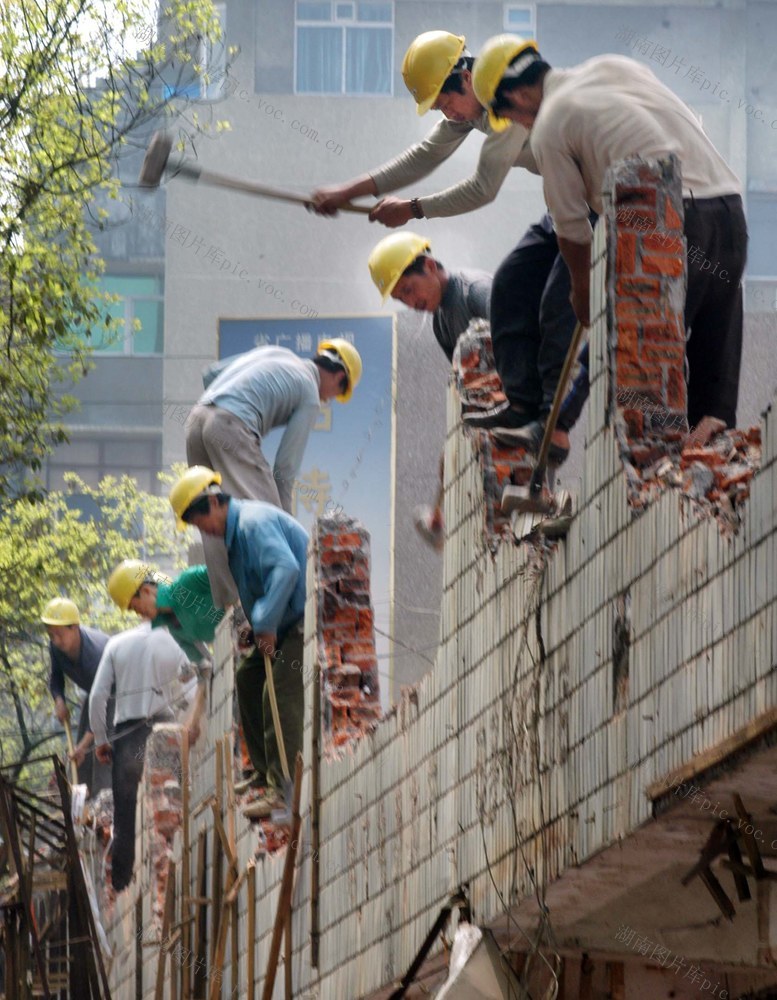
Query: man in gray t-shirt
402	266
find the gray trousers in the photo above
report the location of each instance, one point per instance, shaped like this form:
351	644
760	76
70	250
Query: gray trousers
222	441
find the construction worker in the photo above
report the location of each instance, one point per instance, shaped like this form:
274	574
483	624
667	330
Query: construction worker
184	606
145	666
533	280
255	392
75	651
402	266
267	551
606	110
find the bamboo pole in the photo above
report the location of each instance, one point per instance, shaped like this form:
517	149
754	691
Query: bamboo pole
251	929
186	911
287	883
229	772
167	920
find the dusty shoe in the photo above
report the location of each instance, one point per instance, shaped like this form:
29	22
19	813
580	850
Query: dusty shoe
252	780
430	526
262	806
502	415
530	438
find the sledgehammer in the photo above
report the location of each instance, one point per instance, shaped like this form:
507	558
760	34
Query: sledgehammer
529	499
157	159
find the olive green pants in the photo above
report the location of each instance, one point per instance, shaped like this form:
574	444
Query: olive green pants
253	699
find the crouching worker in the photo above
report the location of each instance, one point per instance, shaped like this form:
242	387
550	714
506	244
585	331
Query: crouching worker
267	553
146	669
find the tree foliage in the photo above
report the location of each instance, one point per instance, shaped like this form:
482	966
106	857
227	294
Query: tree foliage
67	545
82	80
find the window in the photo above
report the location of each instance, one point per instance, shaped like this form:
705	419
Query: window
344	48
521	20
95	456
142	299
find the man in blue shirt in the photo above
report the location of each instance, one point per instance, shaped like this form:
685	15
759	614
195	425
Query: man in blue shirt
75	652
267	552
250	395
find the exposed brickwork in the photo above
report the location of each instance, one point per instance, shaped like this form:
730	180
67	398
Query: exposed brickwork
646	297
349	664
161	790
479	386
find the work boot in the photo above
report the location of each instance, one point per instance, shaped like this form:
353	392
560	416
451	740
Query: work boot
501	415
252	780
530	438
262	806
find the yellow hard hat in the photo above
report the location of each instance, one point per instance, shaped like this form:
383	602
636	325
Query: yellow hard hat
392	256
490	66
60	611
428	63
127	579
192	483
349	357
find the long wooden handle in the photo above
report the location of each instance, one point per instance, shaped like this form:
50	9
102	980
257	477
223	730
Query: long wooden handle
535	485
252	187
71	749
276	719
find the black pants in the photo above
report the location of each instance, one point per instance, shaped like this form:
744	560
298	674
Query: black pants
129	752
532	320
716	232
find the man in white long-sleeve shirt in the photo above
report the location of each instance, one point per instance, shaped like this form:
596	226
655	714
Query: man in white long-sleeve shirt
252	394
146	668
606	110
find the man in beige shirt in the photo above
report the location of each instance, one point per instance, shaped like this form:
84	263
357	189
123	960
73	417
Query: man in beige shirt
606	110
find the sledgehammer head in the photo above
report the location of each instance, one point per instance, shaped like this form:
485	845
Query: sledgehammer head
155	160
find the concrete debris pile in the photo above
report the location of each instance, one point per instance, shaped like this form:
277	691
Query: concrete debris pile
164	807
715	476
346	640
479	387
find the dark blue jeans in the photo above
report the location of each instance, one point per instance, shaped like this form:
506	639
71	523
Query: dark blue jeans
532	321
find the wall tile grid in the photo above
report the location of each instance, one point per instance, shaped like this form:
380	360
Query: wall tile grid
513	738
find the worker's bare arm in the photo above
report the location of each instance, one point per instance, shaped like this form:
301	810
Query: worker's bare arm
578	259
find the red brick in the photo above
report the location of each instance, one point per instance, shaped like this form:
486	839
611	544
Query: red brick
628	196
628	339
638	287
671	219
664	243
350	540
671	354
336	557
366	620
626	253
672	267
635	376
326	541
627	310
753	435
743	475
663	333
708	456
635	422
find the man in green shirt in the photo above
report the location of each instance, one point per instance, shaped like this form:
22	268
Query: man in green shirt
184	606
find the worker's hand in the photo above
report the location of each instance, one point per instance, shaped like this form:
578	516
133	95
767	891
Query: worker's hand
392	212
103	753
265	642
61	710
78	755
327	200
580	302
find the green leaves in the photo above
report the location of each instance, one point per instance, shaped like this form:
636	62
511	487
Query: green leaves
76	92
